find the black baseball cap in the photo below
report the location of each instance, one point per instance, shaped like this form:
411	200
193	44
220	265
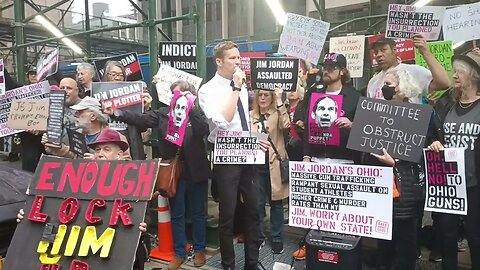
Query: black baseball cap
383	41
334	59
32	70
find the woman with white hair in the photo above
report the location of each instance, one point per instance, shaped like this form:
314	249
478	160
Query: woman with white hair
400	85
85	77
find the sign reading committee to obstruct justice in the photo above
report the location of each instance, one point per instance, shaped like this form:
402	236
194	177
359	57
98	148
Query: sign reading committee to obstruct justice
404	21
238	147
268	73
353	47
446	188
399	127
83	214
129	61
33	91
346	199
303	37
179	55
462	23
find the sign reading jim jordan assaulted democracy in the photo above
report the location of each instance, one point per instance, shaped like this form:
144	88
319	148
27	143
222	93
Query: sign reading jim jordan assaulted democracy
83	214
268	73
348	199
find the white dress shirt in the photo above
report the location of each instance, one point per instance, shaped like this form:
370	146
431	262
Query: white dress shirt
213	97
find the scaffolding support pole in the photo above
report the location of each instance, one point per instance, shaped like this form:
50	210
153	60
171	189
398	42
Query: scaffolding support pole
153	47
201	39
20	52
87	28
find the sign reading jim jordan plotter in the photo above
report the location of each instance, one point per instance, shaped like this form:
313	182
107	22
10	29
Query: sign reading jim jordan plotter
82	214
267	73
347	199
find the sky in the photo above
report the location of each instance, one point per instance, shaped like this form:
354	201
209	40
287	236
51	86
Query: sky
116	7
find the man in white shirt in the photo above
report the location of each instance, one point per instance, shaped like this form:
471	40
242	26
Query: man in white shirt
386	55
224	100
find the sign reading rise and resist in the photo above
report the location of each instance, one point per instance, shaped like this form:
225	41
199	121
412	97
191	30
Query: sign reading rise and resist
267	73
347	199
83	214
399	127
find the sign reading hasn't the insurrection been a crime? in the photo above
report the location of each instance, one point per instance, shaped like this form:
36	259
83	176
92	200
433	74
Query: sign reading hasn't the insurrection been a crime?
404	21
443	52
56	111
238	147
347	199
267	73
462	23
179	55
28	114
47	64
303	37
133	70
446	185
39	90
119	95
83	214
399	127
77	142
353	47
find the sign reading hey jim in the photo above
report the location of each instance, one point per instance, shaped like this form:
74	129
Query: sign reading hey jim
399	127
238	147
348	199
267	73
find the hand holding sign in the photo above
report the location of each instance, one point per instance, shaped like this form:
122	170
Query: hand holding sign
420	43
385	158
436	146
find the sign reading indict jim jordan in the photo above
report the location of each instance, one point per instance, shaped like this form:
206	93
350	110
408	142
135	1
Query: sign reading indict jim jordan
83	214
130	61
119	95
462	23
47	64
267	73
347	199
303	37
238	147
55	117
179	55
2	78
166	76
324	109
399	127
446	188
404	21
353	48
39	90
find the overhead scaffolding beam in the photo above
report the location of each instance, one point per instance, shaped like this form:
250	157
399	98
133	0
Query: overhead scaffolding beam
45	10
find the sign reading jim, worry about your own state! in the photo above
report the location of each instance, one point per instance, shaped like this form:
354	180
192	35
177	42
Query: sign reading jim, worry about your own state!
268	72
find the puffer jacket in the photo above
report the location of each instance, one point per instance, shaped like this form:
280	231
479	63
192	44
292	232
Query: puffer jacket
410	180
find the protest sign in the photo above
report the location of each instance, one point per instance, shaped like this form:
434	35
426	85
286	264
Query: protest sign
166	76
178	117
133	70
28	114
399	127
323	111
446	188
404	21
2	78
33	91
266	73
462	23
83	214
119	95
55	117
443	52
179	55
47	64
245	58
77	142
353	48
238	147
347	199
303	37
404	47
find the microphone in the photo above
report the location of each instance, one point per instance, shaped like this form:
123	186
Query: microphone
244	81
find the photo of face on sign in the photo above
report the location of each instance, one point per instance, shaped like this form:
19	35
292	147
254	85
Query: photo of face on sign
324	110
180	106
179	112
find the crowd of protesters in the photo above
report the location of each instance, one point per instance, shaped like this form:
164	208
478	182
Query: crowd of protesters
223	104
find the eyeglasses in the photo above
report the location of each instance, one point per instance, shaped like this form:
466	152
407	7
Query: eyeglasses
330	68
114	74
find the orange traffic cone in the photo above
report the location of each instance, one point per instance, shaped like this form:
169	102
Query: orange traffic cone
164	251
